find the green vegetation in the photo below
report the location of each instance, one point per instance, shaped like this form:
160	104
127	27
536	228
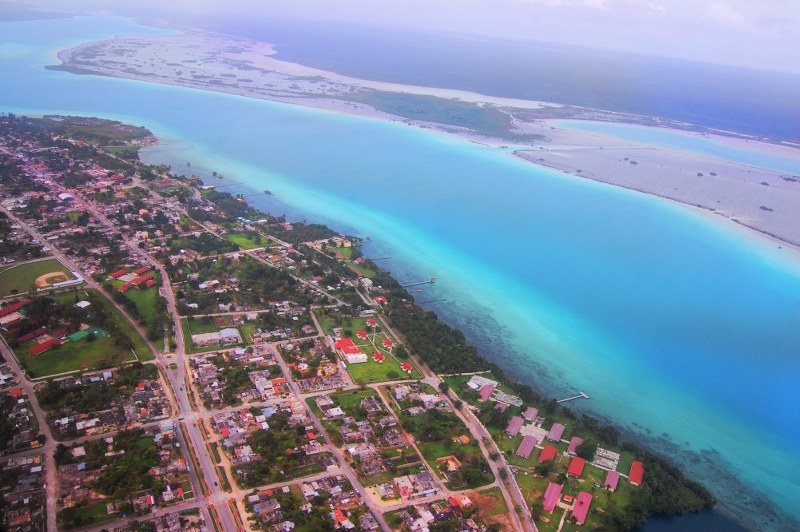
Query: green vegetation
122	344
93	396
80	516
481	119
434	432
21	278
278	460
249	240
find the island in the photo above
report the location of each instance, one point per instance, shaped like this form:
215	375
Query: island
175	357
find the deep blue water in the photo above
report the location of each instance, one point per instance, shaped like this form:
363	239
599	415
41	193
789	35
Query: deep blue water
682	329
761	103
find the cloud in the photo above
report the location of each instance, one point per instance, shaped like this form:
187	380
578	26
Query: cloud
728	16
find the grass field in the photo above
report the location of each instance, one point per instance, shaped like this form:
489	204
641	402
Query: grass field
84	355
22	277
243	240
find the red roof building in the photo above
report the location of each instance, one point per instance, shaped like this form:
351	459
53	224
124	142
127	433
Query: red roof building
407	367
144	278
637	473
379	357
548	453
346	346
612	480
576	466
10	309
380	300
140	271
362	334
117	274
387	343
371	322
44	346
150	283
125	287
581	507
551	497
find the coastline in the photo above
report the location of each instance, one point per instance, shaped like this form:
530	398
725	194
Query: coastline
757	199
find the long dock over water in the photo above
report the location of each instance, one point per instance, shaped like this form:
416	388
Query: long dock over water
580	394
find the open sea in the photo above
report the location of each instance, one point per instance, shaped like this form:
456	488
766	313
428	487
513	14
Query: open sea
683	329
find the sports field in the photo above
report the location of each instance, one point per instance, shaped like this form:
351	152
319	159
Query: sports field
28	276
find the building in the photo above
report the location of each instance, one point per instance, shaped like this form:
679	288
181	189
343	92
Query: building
531	414
230	336
551	497
356	358
573	445
612	480
636	475
526	447
514	425
581	507
576	467
556	432
548	453
486	392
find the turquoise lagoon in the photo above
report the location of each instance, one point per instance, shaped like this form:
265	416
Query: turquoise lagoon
683	329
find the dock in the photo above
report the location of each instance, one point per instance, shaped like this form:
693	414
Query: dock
580	395
429	281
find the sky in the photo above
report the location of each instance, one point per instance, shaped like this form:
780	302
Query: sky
761	34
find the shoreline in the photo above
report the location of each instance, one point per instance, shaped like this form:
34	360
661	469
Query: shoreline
767	210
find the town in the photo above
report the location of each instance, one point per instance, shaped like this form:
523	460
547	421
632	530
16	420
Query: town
177	360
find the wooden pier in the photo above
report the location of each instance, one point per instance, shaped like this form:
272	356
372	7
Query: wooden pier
581	394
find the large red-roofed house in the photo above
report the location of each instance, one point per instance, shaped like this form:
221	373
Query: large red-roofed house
576	466
347	346
44	346
10	309
637	473
548	453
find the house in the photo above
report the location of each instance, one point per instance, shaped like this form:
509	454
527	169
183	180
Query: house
44	346
486	392
514	425
576	467
551	497
556	432
581	507
612	480
526	447
637	473
573	445
530	414
230	335
548	453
